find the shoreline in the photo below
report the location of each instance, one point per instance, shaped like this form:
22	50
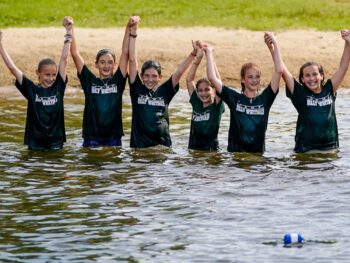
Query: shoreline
171	45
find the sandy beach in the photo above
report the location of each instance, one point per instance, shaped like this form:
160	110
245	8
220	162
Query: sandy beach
170	45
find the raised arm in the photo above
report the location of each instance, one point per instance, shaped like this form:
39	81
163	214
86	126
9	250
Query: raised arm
212	74
339	75
288	78
9	63
193	69
124	57
132	48
62	67
78	60
271	42
176	76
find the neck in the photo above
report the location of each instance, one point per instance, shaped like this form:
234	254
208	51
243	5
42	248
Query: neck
206	104
250	93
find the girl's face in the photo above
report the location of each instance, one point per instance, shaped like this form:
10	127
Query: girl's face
251	79
47	75
151	78
312	78
105	65
205	93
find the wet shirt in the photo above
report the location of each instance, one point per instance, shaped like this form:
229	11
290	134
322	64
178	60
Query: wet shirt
248	120
150	120
103	105
45	115
204	124
317	124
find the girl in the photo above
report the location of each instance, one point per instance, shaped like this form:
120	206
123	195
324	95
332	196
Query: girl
249	109
45	119
315	102
207	108
150	101
102	121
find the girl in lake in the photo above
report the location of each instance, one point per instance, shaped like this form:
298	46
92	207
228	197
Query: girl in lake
45	119
150	101
207	107
102	121
249	110
314	100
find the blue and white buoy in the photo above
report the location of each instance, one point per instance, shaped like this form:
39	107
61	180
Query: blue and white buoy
293	239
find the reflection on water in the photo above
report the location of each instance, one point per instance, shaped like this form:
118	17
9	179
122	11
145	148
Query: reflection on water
171	205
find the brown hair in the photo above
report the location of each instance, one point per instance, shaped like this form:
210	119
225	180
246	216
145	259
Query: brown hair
244	69
103	52
45	62
311	63
151	64
203	80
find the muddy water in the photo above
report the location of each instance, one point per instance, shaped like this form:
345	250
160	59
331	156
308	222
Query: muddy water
171	205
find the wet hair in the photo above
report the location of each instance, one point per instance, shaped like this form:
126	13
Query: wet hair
103	52
311	63
151	64
203	80
244	69
45	62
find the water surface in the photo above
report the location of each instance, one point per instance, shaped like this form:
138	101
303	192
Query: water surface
171	205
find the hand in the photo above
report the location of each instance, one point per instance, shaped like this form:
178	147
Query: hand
270	40
345	34
208	48
194	45
68	22
134	20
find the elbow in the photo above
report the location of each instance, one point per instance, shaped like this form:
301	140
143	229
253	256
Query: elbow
212	79
279	70
189	79
132	60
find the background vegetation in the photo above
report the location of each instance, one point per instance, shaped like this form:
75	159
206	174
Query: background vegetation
248	14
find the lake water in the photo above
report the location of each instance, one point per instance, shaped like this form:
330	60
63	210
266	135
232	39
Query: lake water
171	205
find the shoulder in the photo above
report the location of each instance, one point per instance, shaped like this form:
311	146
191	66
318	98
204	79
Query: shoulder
269	91
328	85
85	72
228	92
137	82
118	74
25	82
194	97
298	88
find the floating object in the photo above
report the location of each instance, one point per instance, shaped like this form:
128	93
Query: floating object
293	239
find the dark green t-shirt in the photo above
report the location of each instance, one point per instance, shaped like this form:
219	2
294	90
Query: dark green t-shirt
103	105
45	116
204	124
248	120
317	124
150	120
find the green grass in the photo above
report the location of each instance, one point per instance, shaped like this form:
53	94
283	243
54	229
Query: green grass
248	14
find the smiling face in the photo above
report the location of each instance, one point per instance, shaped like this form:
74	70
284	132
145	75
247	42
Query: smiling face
251	79
151	78
312	78
105	65
47	75
205	93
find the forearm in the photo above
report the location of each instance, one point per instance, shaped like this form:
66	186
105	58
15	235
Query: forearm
10	64
182	68
78	60
345	59
211	73
132	58
64	58
193	69
124	56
